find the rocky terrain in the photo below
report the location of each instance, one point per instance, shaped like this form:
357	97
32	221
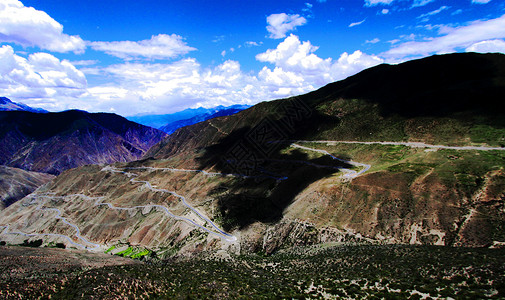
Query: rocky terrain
406	154
16	184
54	142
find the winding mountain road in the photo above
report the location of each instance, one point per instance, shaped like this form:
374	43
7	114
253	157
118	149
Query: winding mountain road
408	144
220	233
86	244
349	174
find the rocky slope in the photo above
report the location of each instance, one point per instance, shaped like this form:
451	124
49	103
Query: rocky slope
283	173
16	184
54	142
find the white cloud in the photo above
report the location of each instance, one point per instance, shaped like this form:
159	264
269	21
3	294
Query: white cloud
377	2
161	46
372	41
170	87
298	68
357	23
40	76
280	24
481	1
27	26
435	12
489	46
454	38
384	11
418	3
251	44
84	62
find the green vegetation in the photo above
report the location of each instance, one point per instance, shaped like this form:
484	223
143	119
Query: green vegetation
364	272
126	253
488	134
140	254
131	252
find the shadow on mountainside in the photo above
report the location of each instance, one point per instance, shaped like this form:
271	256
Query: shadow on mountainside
436	86
272	173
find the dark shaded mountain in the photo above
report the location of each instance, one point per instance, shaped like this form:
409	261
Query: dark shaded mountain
225	111
7	105
465	92
54	142
16	183
186	117
456	99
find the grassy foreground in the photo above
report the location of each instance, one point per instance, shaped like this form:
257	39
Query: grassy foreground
359	272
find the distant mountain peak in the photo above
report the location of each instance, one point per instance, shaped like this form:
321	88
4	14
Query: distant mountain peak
7	105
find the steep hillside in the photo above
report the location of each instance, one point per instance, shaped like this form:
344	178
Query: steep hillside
405	154
54	142
454	99
16	184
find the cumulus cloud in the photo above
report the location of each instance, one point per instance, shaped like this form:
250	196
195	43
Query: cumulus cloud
453	38
170	87
377	2
298	69
40	76
27	26
489	46
280	24
161	46
481	1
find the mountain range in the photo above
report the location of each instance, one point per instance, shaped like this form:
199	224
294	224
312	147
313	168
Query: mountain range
7	105
54	142
171	122
398	154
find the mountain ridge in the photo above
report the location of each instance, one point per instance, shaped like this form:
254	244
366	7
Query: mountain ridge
54	142
158	121
7	105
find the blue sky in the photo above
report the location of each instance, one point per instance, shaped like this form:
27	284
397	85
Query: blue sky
155	57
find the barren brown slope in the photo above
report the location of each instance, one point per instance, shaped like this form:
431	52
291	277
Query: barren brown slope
16	183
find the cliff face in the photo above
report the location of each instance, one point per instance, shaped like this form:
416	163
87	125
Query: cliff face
356	161
54	142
